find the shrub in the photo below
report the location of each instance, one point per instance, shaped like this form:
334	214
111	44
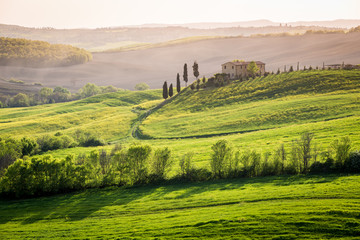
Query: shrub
92	141
20	100
29	146
141	87
352	163
342	150
10	150
186	164
220	158
161	163
137	157
43	175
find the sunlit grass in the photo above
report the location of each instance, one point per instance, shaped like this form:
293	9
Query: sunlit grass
109	116
310	207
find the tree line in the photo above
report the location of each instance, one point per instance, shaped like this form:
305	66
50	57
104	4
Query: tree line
48	95
141	164
29	53
169	91
12	149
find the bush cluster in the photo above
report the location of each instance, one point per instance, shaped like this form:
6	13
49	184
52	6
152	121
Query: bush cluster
48	95
140	164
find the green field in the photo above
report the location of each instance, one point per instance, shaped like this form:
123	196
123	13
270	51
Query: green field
259	114
305	207
109	116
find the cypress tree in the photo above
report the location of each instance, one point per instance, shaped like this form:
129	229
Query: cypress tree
165	90
171	92
196	69
291	69
278	71
185	75
178	86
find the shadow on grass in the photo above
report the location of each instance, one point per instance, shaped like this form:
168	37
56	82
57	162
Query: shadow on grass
80	205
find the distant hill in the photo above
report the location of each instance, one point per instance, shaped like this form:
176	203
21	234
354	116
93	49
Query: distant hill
97	40
28	53
159	64
339	23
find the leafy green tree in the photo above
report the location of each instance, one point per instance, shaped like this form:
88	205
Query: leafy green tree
171	91
89	90
178	85
122	165
138	156
196	70
186	165
165	90
304	150
20	100
252	68
342	150
161	162
10	150
45	94
61	94
29	146
108	89
185	74
141	87
222	153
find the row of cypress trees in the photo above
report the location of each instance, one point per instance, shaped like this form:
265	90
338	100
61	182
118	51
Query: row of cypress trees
169	92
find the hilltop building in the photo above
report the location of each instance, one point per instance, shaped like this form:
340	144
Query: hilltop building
237	68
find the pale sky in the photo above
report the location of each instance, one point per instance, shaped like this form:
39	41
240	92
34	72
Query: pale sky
109	13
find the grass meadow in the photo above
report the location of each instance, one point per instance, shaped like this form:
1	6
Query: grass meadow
286	207
258	114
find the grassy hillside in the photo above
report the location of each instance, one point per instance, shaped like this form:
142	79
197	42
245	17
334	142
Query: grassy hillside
307	207
256	114
28	53
107	115
275	101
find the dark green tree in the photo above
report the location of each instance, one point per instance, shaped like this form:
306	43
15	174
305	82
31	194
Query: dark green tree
291	69
196	69
278	71
185	74
165	90
178	86
171	91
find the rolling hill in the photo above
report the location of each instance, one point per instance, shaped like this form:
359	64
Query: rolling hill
156	65
256	114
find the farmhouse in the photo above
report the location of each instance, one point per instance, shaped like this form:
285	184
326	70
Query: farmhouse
237	68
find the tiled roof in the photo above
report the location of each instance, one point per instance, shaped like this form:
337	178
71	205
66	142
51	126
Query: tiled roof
245	63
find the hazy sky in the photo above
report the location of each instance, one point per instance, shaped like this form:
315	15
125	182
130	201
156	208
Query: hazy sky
104	13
